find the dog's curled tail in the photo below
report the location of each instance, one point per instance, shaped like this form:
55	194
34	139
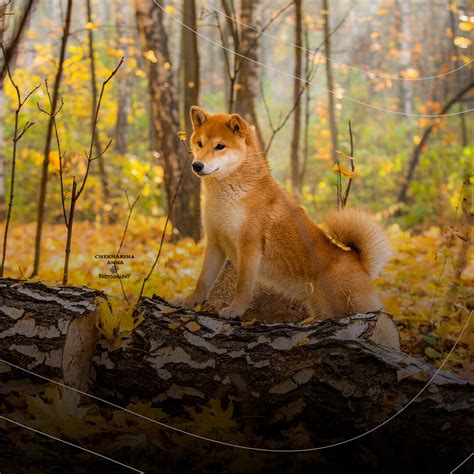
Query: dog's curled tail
360	231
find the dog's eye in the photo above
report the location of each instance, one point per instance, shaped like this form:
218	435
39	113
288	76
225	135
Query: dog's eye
199	143
219	146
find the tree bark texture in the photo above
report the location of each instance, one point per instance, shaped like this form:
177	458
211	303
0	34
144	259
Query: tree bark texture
190	57
330	82
297	84
185	214
104	180
248	75
329	378
123	79
287	385
47	146
49	330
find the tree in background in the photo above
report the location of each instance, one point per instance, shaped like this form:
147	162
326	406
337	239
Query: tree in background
104	180
49	133
295	142
190	62
165	109
330	81
11	50
248	74
122	12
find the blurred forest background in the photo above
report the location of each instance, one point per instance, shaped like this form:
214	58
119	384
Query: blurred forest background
299	70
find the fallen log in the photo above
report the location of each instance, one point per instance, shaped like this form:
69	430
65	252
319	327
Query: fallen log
330	378
49	330
284	385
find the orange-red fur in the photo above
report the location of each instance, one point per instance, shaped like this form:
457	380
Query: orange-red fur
249	219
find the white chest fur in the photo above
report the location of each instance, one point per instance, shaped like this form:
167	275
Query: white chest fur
223	215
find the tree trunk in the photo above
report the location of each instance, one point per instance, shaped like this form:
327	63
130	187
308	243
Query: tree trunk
123	79
405	32
330	82
49	330
185	215
271	386
47	146
3	9
248	74
328	380
190	58
295	142
416	154
104	181
458	64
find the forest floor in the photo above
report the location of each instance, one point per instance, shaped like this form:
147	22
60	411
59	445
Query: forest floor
418	286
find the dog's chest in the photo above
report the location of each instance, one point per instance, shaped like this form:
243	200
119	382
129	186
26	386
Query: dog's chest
224	217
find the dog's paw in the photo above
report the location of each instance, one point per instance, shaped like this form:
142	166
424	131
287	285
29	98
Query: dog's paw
185	303
230	312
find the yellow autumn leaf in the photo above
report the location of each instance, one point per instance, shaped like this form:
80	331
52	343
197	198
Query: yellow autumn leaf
129	320
108	322
382	11
170	9
150	56
304	341
246	324
462	42
139	73
466	26
193	326
343	170
90	26
416	139
309	320
174	325
410	73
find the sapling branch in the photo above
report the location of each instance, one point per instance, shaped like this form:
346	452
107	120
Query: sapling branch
351	158
17	135
94	128
130	210
75	193
340	170
182	137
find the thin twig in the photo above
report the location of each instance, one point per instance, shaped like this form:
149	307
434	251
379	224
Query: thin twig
53	114
130	210
16	138
310	72
352	160
94	128
77	193
163	234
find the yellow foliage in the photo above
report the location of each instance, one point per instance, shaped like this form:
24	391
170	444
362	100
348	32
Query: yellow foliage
150	56
462	42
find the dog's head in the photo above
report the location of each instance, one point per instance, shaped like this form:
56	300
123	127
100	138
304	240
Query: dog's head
218	143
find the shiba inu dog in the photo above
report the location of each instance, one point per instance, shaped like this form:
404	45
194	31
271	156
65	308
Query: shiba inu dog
250	220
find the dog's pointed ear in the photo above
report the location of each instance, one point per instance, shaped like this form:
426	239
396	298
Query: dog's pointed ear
236	123
198	116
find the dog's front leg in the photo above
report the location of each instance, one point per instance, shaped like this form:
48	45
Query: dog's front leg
214	259
248	263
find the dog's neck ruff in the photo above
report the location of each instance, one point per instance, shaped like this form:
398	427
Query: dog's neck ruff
333	238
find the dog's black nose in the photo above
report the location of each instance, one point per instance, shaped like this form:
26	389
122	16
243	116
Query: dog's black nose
198	166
